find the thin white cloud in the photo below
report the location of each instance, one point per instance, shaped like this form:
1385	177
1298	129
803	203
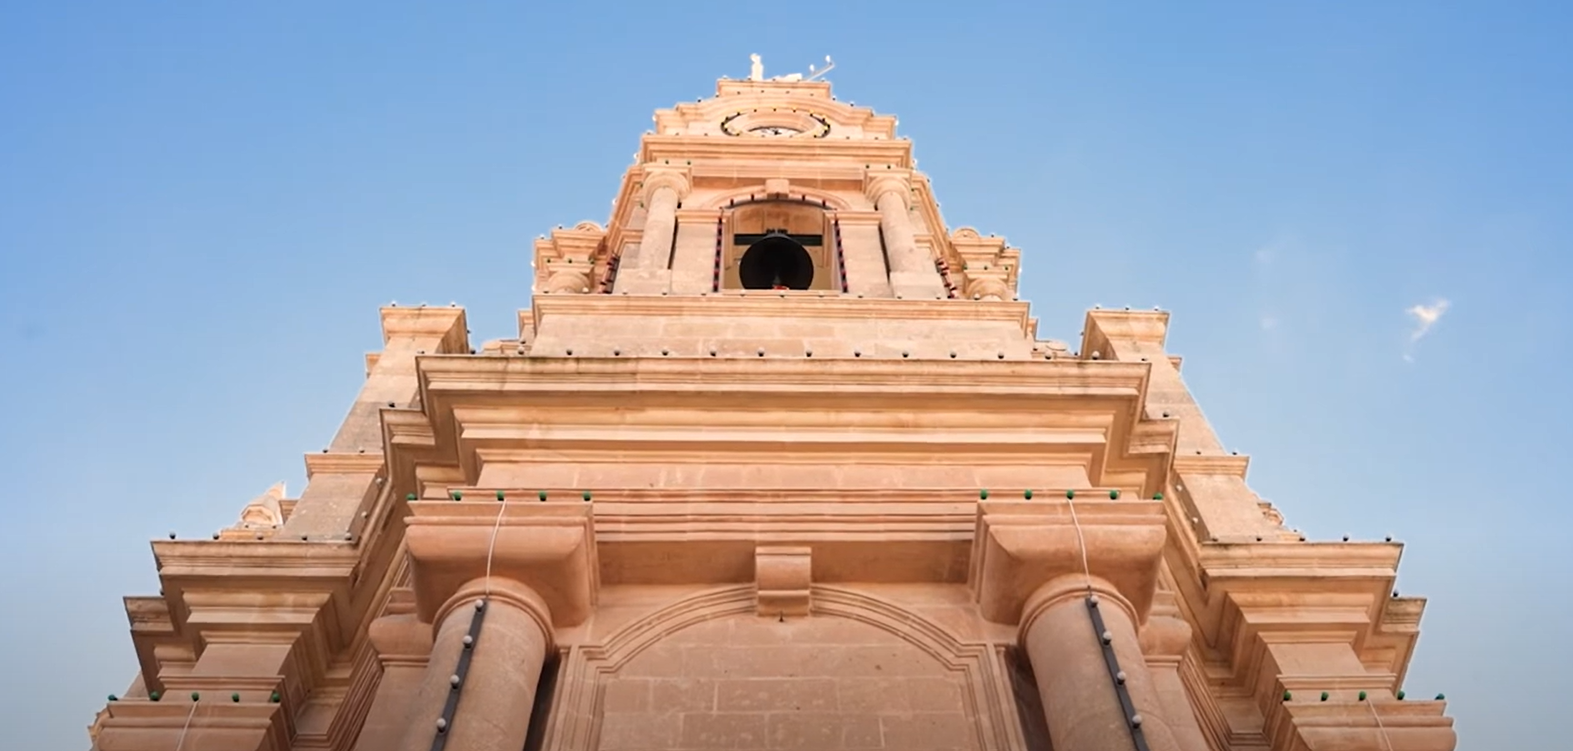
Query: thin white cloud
1425	317
1265	256
1269	323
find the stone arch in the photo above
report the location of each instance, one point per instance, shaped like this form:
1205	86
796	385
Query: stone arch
758	193
986	692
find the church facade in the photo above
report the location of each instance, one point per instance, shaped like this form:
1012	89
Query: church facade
777	461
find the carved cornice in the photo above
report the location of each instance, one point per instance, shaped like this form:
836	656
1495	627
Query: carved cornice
1020	545
1231	465
1408	725
722	306
253	723
676	150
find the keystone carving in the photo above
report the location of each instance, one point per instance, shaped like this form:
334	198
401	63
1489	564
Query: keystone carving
784	575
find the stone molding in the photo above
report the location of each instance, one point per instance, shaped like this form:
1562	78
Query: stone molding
759	192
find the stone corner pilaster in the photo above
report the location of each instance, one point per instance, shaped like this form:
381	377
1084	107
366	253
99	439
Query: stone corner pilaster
445	324
1149	330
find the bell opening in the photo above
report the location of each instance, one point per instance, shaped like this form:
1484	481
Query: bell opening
776	262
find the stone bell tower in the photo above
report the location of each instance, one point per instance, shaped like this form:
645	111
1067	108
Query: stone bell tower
777	460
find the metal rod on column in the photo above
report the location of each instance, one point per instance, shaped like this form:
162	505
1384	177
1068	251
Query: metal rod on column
841	256
1133	719
460	673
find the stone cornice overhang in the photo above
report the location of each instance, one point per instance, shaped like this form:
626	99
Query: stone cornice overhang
1241	596
676	150
452	387
213	589
764	305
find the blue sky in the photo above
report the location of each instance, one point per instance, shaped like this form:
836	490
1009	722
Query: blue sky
202	207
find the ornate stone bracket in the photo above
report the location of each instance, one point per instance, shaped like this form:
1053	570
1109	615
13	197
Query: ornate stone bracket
784	575
1019	545
549	547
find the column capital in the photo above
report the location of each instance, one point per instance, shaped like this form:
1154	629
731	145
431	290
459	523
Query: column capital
498	590
878	183
657	177
1071	587
547	547
400	639
1021	545
986	287
569	280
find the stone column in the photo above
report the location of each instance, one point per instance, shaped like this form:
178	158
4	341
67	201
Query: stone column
660	226
649	272
498	692
912	272
1079	699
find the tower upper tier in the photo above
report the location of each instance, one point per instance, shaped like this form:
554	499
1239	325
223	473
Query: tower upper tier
828	184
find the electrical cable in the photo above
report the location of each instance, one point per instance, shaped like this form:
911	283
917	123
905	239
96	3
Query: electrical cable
182	741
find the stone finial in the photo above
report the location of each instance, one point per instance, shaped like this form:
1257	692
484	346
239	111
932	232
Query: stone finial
264	510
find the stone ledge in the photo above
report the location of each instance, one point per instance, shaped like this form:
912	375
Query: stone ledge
215	723
339	463
1335	726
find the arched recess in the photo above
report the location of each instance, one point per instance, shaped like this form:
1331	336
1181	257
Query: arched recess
576	718
753	193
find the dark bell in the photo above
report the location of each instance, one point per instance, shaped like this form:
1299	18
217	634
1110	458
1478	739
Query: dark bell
776	261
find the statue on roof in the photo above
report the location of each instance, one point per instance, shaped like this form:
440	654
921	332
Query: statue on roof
756	71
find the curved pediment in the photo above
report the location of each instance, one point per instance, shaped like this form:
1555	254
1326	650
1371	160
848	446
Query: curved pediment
798	109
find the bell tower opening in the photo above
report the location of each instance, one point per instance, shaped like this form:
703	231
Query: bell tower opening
776	261
778	244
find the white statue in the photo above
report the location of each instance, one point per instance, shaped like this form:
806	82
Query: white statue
756	71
